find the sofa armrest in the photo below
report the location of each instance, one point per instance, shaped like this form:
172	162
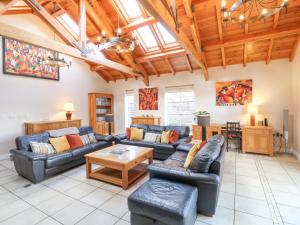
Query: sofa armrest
118	138
107	138
31	156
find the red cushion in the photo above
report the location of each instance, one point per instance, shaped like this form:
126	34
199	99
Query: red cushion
202	144
128	133
74	141
174	136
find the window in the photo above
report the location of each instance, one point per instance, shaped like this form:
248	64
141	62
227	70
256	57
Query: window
129	107
130	9
148	40
165	35
180	104
69	24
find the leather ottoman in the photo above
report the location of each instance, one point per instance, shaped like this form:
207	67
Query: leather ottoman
163	202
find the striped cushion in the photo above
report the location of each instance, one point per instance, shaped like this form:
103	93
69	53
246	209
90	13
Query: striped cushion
85	139
42	148
150	137
158	138
92	138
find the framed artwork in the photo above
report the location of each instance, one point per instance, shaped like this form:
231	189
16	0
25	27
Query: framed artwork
148	99
232	93
23	59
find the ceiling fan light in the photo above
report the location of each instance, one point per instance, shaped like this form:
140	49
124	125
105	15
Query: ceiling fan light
264	12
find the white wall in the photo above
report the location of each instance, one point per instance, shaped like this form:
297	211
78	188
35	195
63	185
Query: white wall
271	91
30	99
296	102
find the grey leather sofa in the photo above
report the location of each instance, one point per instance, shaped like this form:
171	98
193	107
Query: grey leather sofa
208	184
161	151
36	167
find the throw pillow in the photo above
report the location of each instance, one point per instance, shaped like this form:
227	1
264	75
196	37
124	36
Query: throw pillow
128	132
85	139
174	136
74	140
136	134
158	139
165	137
150	137
190	156
42	148
60	144
92	138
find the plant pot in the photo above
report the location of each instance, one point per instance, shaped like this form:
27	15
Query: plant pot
203	120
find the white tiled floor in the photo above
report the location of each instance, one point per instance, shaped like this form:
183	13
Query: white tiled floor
256	190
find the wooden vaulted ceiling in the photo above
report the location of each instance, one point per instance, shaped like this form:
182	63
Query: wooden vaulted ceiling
204	40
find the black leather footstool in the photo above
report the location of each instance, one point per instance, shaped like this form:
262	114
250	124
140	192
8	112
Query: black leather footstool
162	202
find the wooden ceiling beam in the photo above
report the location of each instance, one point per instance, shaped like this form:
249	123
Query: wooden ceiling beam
294	49
158	10
223	58
154	69
245	54
268	58
96	68
6	4
157	56
108	75
188	63
170	66
18	11
138	24
219	22
82	23
253	37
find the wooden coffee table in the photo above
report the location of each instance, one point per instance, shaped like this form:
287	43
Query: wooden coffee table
120	164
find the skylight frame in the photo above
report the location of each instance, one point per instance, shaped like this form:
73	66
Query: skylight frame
143	43
162	39
69	27
120	6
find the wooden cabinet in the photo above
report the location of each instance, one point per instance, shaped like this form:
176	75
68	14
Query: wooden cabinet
42	126
145	120
210	131
101	113
258	139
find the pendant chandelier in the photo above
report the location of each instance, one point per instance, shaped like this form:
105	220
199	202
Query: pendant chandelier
245	11
56	61
117	43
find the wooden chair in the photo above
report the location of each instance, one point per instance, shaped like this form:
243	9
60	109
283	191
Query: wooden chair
233	132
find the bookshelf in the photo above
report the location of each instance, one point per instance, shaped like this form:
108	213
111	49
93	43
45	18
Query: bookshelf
101	112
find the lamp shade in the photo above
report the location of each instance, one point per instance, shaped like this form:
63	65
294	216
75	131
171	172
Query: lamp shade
69	107
252	109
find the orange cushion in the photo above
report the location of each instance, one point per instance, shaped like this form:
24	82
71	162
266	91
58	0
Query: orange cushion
174	136
128	133
74	141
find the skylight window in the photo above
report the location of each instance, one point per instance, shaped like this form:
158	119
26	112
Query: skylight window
130	9
69	24
165	35
147	37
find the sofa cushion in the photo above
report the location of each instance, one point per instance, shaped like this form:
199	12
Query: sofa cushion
63	131
165	137
174	136
217	138
164	148
183	131
128	132
151	137
205	157
78	153
85	130
74	141
42	148
138	143
99	145
165	202
140	126
191	155
23	142
58	159
156	129
136	134
60	144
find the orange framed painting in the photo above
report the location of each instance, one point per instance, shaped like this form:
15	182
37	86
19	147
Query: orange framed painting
148	99
25	60
234	93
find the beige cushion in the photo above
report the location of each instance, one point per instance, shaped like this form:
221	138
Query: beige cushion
92	138
85	139
60	144
150	137
136	134
42	148
165	137
191	155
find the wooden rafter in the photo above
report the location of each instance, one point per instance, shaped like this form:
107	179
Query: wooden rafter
158	10
6	4
82	24
188	63
138	23
156	56
153	68
96	68
294	50
269	54
245	54
170	66
209	45
220	32
223	58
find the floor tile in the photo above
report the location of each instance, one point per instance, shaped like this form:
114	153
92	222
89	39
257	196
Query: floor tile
126	217
122	222
28	217
11	209
223	216
250	191
287	198
228	187
73	213
99	217
97	197
63	184
116	206
290	214
48	221
80	191
40	196
27	190
248	181
247	219
111	188
226	200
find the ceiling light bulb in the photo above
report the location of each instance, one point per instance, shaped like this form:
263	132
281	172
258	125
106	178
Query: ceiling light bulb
223	3
98	38
233	6
264	12
225	14
242	17
103	33
119	31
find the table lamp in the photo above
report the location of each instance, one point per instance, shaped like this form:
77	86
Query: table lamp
69	108
252	110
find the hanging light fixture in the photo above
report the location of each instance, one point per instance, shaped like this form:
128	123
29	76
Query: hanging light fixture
55	61
245	11
117	43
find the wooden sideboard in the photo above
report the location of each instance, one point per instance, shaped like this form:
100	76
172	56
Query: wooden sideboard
258	139
255	139
145	120
42	126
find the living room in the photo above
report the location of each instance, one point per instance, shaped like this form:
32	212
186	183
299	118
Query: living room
168	85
